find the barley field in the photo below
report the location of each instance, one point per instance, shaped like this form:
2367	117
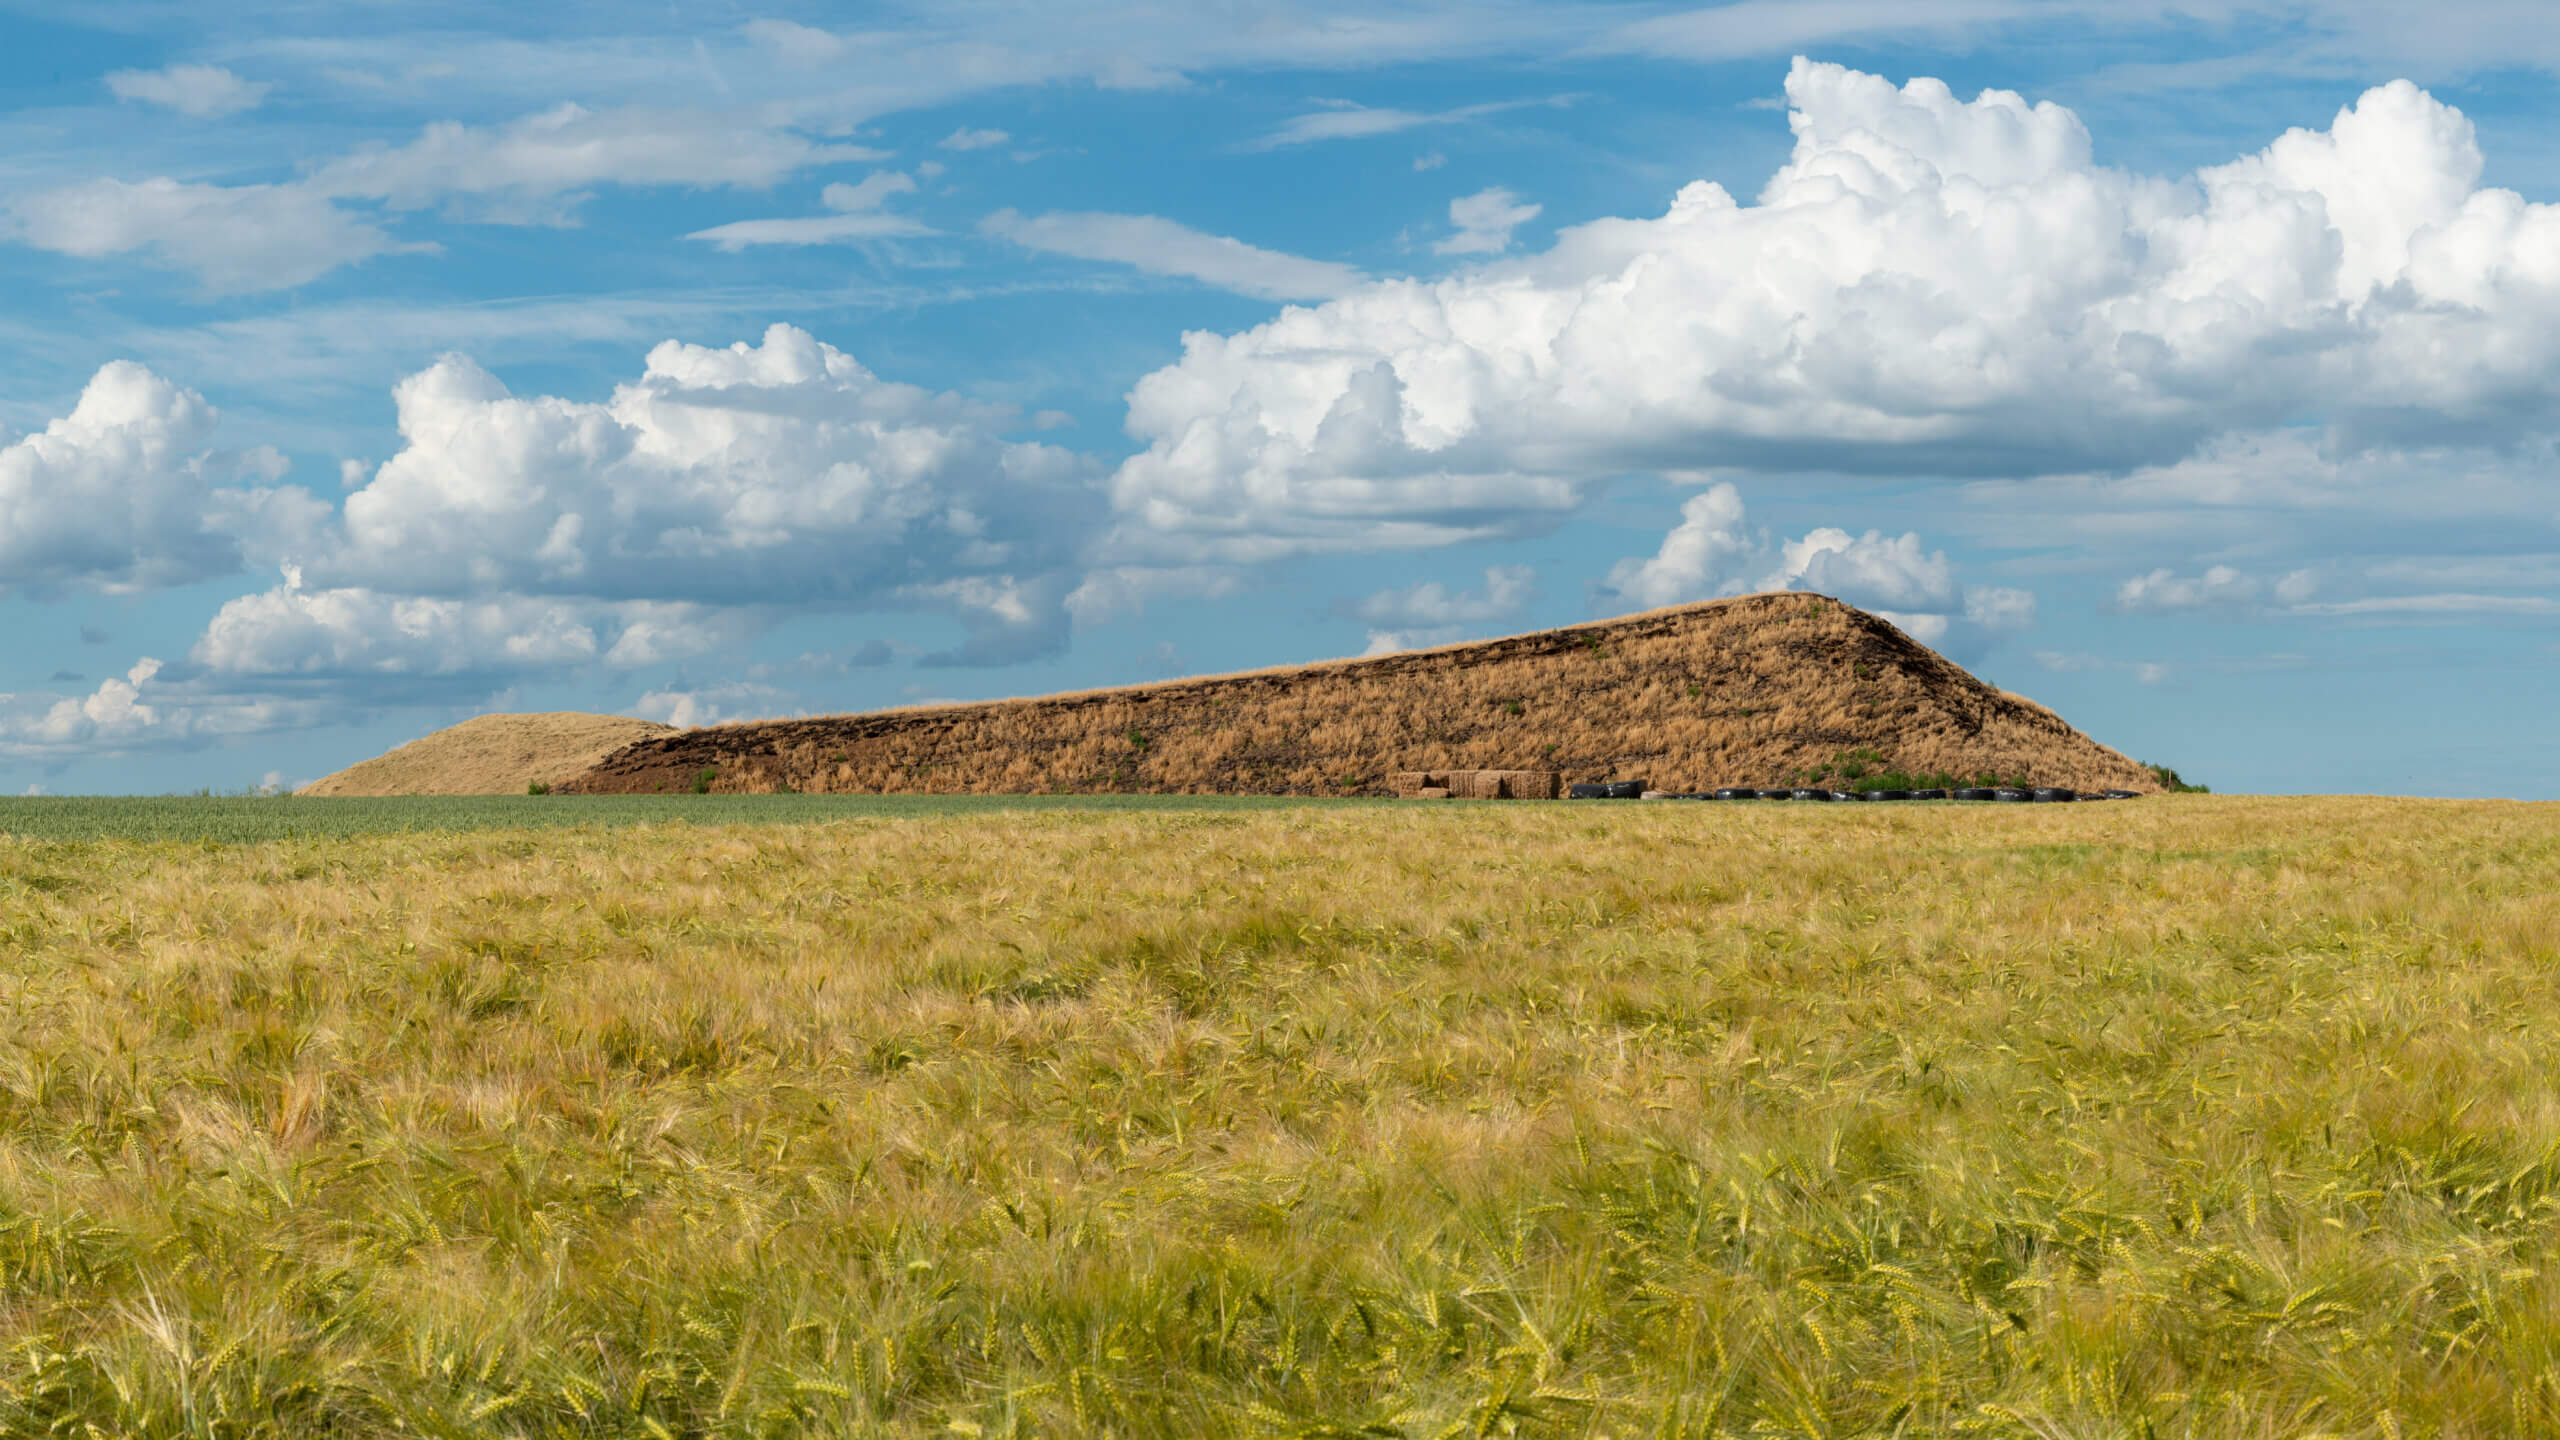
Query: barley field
2181	1117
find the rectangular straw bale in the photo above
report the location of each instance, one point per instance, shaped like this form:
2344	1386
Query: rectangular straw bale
1408	783
1530	784
1495	784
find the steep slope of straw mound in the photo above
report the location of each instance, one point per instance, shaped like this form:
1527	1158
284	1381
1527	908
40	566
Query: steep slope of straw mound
1743	691
492	755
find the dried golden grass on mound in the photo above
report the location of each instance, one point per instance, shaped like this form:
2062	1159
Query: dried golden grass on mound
1740	691
492	755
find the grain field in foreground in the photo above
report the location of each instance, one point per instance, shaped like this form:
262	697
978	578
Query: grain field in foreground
2177	1117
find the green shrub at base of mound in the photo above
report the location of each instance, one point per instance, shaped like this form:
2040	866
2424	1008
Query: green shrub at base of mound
2169	781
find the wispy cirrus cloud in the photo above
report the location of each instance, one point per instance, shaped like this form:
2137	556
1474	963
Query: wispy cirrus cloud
1348	120
234	238
1775	27
539	169
2446	605
205	92
522	170
1165	247
859	217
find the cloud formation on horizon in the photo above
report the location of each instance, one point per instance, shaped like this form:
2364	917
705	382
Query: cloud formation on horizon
1929	285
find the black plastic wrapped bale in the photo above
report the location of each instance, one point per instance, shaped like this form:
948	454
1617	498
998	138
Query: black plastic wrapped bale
1928	794
1607	790
1813	794
1976	792
1851	796
2054	795
2013	796
2123	795
1733	793
1888	794
1777	794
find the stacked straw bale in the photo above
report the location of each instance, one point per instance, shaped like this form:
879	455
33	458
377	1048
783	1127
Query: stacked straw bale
1476	784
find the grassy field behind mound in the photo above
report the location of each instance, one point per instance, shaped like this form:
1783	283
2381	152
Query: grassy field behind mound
2185	1117
238	819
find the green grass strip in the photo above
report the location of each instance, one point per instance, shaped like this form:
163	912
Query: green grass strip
248	819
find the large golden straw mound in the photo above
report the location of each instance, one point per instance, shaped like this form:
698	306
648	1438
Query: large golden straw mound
492	755
1750	691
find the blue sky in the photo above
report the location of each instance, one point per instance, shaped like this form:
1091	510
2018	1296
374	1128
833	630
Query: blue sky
2188	367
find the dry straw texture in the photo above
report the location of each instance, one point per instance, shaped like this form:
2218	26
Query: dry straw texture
492	755
1731	692
2186	1117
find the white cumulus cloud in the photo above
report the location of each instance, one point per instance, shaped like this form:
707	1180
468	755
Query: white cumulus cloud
135	711
1484	222
779	473
1711	552
708	705
292	631
1873	571
114	712
1999	607
2164	590
1700	557
123	493
1432	604
1928	285
523	537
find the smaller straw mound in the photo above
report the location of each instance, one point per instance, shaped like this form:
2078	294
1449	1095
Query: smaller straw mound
492	755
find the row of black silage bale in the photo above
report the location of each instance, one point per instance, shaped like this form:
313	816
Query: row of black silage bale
2047	794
